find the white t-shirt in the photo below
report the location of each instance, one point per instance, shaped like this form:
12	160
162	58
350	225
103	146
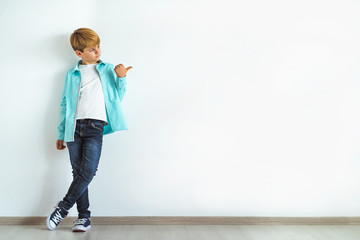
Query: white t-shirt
91	101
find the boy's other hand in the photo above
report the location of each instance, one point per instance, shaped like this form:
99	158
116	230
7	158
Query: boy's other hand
121	71
60	145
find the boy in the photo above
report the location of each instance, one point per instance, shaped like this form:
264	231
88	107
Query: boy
90	108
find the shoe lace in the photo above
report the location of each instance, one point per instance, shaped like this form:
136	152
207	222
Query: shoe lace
57	217
80	221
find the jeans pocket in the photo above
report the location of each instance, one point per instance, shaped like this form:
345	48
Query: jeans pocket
98	126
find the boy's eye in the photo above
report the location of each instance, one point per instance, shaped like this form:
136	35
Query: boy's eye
94	49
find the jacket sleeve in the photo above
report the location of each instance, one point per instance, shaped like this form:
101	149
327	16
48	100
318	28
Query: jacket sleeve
61	126
121	86
120	83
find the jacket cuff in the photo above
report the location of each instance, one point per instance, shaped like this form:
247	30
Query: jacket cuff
60	136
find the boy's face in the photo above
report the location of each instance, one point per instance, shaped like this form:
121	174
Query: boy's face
90	55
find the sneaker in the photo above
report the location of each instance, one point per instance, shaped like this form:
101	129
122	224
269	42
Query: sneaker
56	217
81	225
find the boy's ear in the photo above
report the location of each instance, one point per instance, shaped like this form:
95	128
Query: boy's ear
78	53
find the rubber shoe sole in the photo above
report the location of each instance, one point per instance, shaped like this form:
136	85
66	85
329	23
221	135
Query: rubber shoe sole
48	224
80	228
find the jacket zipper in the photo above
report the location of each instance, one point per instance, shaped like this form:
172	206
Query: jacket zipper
77	101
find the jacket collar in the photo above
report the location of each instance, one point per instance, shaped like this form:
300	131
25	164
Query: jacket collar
76	68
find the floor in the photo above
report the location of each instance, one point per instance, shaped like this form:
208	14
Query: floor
185	232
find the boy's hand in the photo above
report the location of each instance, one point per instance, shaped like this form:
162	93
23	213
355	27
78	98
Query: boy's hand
60	145
121	71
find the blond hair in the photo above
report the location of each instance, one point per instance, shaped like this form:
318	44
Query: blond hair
82	38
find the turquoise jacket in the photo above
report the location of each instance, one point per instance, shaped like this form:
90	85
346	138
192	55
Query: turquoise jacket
114	89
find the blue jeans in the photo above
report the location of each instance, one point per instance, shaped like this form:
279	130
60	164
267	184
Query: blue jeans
84	153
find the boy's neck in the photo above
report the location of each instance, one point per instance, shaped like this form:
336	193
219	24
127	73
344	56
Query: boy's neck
87	63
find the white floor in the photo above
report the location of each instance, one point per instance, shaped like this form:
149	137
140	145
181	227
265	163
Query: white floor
185	232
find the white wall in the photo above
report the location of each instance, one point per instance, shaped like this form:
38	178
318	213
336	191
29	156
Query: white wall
235	108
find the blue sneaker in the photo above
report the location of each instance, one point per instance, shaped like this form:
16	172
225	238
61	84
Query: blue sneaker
56	217
81	225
